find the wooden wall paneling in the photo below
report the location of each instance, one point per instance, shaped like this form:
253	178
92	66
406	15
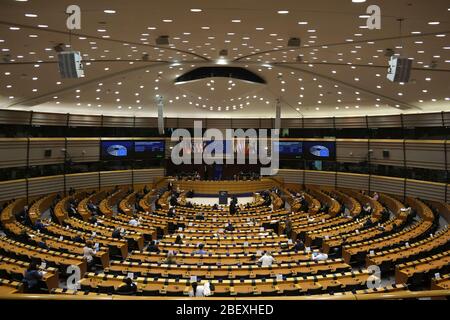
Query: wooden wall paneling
353	181
390	185
425	154
38	146
45	185
13	189
83	149
425	190
81	181
13	152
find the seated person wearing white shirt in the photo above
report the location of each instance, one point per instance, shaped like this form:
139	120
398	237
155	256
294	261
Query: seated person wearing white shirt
200	291
266	260
133	222
318	256
88	254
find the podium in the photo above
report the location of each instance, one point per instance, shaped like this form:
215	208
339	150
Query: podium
223	197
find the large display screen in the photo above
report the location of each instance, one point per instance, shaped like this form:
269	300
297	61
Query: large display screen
319	150
290	150
227	147
116	150
149	149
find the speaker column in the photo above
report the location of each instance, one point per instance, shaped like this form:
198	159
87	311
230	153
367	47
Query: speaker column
161	115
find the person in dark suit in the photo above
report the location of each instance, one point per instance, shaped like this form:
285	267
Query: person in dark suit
116	234
288	227
42	245
298	246
153	247
178	240
199	216
128	287
229	227
39	225
23	237
31	278
171	212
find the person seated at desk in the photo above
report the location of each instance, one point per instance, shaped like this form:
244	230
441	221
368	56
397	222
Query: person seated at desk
134	222
24	237
197	291
128	287
173	201
229	227
117	233
233	208
288	227
92	219
325	208
178	240
42	245
199	216
171	212
78	239
146	190
190	194
298	246
153	247
170	258
266	260
200	249
200	291
346	213
88	254
376	196
39	225
367	209
92	207
367	224
319	256
72	210
31	278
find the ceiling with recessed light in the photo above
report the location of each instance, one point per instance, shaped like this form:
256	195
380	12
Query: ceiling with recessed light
339	69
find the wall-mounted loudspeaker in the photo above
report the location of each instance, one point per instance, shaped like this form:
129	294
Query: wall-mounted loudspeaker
70	65
399	69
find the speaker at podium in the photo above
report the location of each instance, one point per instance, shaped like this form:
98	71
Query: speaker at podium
223	197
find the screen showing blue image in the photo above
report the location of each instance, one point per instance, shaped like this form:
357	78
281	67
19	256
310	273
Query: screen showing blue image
290	149
149	149
227	147
320	150
116	150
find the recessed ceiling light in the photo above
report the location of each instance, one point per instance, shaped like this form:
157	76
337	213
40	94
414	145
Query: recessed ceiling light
434	23
14	28
167	20
31	15
196	10
282	11
43	26
109	11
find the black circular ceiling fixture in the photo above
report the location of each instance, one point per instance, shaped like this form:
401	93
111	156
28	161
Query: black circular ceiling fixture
220	72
